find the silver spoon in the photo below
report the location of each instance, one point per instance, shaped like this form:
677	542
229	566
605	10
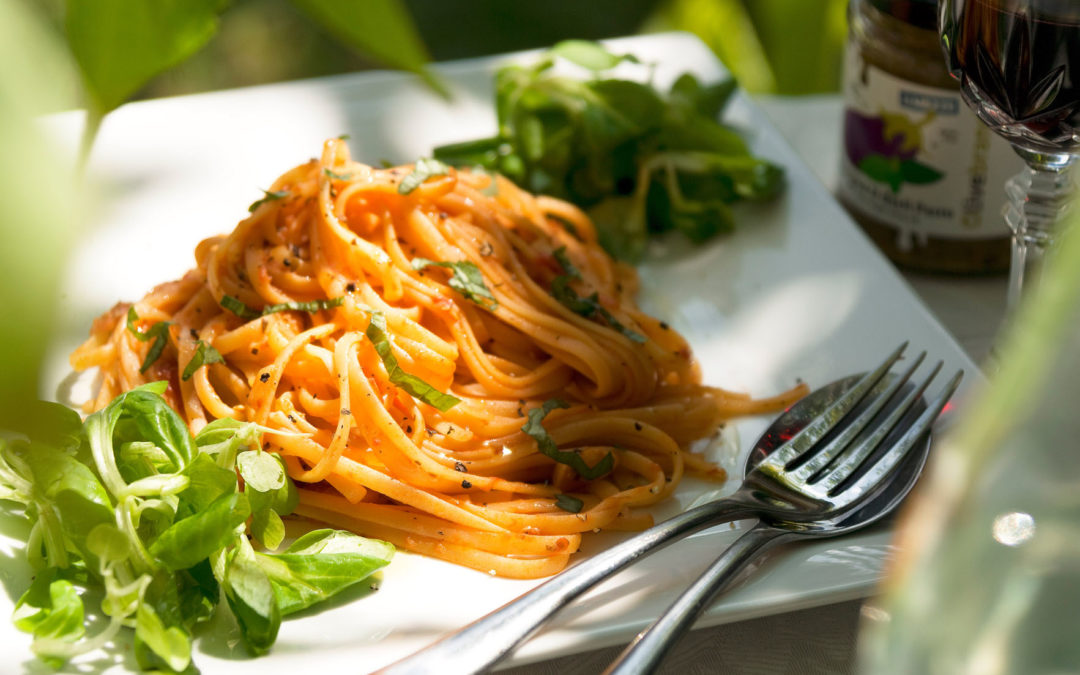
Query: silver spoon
648	650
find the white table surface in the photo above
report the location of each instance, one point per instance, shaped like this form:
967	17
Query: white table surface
823	639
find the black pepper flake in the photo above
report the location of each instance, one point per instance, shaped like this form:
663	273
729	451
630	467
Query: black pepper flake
266	445
487	249
458	466
466	484
520	412
350	287
286	262
265	377
254	351
346	412
291	418
442	215
408	429
193	333
295	250
664	325
637	426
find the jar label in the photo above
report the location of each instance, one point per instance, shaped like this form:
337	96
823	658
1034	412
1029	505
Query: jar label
916	158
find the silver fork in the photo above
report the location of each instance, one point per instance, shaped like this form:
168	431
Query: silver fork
798	481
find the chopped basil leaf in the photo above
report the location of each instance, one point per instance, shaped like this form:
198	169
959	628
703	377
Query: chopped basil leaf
376	332
564	262
159	333
268	197
423	169
467	280
344	137
492	189
204	355
238	308
568	503
337	176
244	312
535	428
310	306
386	164
589	307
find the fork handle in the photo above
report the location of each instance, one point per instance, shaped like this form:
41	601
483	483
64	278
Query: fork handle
649	648
489	639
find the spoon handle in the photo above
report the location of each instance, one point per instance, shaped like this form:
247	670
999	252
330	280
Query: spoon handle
489	639
649	648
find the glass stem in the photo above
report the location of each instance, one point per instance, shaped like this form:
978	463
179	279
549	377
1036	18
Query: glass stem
1038	199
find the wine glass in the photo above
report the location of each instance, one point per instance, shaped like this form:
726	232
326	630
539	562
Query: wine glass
1014	60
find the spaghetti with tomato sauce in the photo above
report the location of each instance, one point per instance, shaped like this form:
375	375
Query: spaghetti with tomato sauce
443	360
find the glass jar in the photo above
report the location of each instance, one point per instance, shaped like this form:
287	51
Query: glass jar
921	175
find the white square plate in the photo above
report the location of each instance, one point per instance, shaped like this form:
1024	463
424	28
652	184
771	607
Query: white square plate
796	292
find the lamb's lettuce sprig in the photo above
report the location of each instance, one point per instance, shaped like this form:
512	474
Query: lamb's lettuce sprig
640	159
130	502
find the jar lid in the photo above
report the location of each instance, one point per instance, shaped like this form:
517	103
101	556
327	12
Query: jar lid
919	13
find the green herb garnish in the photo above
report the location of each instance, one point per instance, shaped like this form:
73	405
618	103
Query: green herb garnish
417	388
535	428
159	333
565	263
131	504
310	306
423	169
244	312
467	280
204	355
569	504
268	197
337	176
642	161
239	308
589	307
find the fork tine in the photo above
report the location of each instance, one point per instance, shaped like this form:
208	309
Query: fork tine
842	440
895	455
854	456
775	462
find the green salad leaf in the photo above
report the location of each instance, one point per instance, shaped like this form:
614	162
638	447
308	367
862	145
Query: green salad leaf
642	161
130	503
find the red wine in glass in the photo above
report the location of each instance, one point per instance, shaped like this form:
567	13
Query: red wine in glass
1018	62
1019	65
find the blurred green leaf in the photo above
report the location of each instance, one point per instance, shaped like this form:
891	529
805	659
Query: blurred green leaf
379	28
726	26
770	46
121	44
34	238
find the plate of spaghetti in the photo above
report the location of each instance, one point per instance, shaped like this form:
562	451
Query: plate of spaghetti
449	363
